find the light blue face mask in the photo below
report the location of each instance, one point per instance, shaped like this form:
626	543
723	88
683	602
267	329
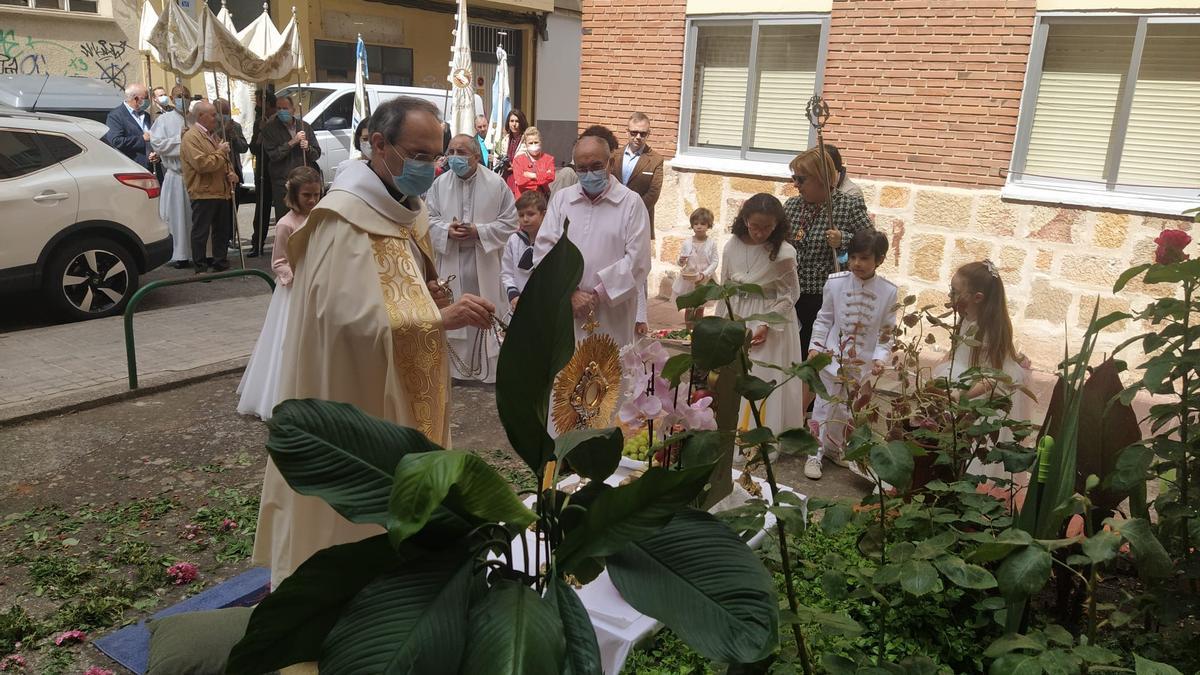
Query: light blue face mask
284	116
461	166
594	182
415	178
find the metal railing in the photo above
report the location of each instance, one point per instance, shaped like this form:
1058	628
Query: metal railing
130	349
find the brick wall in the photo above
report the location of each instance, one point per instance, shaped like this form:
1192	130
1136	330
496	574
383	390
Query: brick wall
632	60
927	91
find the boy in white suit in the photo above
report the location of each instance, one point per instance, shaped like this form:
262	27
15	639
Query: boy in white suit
854	326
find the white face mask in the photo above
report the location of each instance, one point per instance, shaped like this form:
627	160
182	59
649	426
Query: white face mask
535	148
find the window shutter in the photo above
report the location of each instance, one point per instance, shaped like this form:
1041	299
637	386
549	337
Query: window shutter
722	66
1162	142
1082	73
786	77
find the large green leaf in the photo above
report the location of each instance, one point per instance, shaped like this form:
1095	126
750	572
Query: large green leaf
894	463
514	632
583	652
1151	558
467	484
700	580
289	625
919	577
960	573
412	620
630	512
593	453
340	454
1147	667
1024	573
716	341
539	342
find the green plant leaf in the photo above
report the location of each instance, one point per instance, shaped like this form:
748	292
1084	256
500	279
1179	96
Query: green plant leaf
799	442
675	368
467	485
290	624
1102	546
1151	558
592	453
716	341
756	436
411	620
630	512
1128	276
836	664
338	453
1095	654
919	578
1024	573
964	575
707	586
1148	667
1010	643
836	517
1015	664
1173	273
514	632
837	623
754	388
1132	467
582	650
539	341
894	463
702	295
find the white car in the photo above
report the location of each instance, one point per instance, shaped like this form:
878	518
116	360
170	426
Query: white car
81	220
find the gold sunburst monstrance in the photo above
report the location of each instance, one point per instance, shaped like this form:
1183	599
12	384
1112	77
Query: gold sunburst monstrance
587	389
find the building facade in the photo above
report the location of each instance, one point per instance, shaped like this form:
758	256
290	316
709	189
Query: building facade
1055	137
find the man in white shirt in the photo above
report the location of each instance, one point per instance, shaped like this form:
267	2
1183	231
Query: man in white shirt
610	226
472	214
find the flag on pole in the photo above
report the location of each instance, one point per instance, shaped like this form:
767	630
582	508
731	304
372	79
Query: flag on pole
461	115
501	104
362	106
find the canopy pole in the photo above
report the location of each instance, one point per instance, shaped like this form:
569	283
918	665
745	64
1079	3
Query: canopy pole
299	104
229	161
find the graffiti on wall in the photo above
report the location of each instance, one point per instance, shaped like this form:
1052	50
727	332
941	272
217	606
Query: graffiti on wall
105	60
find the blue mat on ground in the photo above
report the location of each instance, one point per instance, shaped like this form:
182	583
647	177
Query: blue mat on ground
130	646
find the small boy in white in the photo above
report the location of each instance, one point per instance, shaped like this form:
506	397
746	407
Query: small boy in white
855	327
517	263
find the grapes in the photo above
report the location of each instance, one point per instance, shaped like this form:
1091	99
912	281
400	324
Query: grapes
638	447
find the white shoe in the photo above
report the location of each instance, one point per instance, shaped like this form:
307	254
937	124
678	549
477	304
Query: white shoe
812	468
839	460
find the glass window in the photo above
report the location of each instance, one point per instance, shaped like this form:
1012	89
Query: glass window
304	97
20	154
60	147
386	65
86	6
749	83
1090	125
338	114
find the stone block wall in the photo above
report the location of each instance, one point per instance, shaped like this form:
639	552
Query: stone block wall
1055	261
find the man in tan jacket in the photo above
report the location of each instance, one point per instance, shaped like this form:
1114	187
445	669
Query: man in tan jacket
210	180
637	166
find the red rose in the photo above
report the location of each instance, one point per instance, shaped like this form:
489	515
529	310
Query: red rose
1170	247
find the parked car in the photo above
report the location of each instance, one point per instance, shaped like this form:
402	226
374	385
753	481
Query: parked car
61	95
329	107
81	221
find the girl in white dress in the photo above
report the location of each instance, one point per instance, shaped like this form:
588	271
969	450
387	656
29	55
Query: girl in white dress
758	254
259	387
697	261
977	294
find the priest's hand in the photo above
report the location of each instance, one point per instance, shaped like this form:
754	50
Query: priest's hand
441	296
469	310
759	336
463	231
583	303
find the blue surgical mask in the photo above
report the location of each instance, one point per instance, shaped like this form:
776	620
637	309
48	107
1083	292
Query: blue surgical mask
594	182
415	178
164	100
284	116
144	104
461	166
180	103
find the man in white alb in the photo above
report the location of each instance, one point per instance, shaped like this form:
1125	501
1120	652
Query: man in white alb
610	226
472	214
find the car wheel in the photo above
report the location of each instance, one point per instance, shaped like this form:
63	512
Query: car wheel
90	278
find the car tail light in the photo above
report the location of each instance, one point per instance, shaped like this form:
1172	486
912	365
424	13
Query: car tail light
141	181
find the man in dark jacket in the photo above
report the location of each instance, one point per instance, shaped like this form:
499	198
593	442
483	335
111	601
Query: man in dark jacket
264	113
129	126
288	142
637	166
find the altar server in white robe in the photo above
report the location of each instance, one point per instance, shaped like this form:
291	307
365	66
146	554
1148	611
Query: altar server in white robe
174	207
610	226
472	215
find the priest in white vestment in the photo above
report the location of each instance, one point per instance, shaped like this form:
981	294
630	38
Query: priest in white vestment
609	224
472	215
174	206
365	326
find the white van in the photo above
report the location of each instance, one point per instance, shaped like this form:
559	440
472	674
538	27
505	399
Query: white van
329	106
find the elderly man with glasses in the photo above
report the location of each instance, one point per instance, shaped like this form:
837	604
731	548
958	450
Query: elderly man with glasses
472	214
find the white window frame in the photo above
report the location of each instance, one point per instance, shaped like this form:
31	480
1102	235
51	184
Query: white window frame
66	7
1110	193
743	160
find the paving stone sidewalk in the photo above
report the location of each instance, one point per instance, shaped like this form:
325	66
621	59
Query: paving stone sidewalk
44	369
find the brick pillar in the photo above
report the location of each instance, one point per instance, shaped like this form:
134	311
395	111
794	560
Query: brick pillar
632	60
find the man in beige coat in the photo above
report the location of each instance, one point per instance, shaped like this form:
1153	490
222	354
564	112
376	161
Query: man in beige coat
210	179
